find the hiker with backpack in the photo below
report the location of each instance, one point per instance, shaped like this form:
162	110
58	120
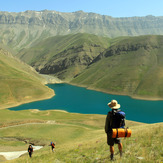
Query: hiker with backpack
30	150
115	119
53	146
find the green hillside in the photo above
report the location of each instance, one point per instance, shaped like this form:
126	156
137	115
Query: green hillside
64	56
19	82
123	65
132	66
79	138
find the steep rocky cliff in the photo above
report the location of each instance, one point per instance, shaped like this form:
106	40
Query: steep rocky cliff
19	30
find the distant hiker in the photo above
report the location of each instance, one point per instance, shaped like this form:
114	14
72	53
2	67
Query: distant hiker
30	150
53	146
114	119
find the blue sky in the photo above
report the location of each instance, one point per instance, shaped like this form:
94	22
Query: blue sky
114	8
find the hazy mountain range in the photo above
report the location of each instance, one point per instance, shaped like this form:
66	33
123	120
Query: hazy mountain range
23	29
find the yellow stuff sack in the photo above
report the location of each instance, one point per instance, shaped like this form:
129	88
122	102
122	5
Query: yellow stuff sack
121	132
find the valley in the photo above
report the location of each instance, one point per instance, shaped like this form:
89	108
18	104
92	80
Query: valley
123	65
122	56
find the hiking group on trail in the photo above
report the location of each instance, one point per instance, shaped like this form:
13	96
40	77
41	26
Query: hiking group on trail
30	148
114	128
115	120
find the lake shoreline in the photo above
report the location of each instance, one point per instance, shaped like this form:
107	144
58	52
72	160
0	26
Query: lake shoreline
47	96
50	95
121	94
82	100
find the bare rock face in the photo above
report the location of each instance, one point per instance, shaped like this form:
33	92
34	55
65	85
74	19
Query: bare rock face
23	29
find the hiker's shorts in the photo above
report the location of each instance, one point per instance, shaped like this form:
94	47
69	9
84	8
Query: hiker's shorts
111	141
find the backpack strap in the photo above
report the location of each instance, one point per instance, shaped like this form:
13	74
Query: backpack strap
111	118
126	132
117	133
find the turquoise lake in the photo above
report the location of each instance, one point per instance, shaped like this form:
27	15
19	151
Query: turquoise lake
80	100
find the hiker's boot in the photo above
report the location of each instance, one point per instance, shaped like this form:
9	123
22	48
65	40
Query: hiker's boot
120	153
111	157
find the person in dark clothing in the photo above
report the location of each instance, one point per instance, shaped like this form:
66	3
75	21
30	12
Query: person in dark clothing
110	123
30	150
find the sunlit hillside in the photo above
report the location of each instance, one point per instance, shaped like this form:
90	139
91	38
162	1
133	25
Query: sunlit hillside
64	56
19	82
131	66
123	65
79	138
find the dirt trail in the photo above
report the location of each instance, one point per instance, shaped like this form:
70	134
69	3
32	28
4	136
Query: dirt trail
16	154
46	122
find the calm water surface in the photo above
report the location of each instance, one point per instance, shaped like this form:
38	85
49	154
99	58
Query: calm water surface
80	100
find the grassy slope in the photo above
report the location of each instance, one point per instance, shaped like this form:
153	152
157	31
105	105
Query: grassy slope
78	137
129	66
65	56
132	66
19	82
57	44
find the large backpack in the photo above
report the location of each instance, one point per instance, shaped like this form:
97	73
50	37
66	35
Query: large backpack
53	145
117	119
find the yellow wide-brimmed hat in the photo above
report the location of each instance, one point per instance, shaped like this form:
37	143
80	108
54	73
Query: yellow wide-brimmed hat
114	104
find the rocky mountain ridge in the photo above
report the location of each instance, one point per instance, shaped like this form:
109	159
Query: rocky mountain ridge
23	29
